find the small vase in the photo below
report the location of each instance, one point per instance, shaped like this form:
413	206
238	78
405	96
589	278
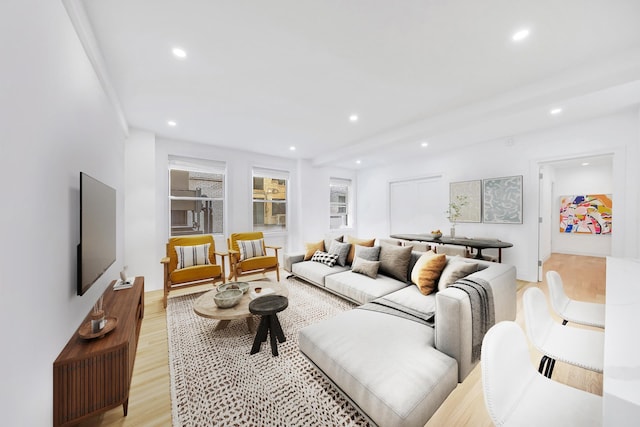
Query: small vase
453	232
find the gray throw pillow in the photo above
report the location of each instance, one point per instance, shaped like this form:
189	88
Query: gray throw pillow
366	267
455	269
342	250
365	252
328	239
394	261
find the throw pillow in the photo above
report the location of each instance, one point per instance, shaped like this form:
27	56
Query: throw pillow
366	267
328	239
362	242
311	249
427	271
250	248
394	261
325	258
193	255
456	269
370	254
342	249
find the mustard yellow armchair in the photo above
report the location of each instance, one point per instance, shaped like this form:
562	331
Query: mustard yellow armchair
188	263
248	255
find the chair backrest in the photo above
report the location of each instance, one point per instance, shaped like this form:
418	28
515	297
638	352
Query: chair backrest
452	250
559	300
199	239
253	235
536	315
506	369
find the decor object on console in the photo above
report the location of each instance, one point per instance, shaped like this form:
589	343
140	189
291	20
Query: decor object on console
588	214
190	261
454	213
502	200
251	259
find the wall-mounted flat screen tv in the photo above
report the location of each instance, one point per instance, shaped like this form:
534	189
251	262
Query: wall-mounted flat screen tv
97	248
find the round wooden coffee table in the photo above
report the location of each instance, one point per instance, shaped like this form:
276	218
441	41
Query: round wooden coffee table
206	307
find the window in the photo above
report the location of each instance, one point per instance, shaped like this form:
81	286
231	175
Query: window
340	203
269	200
196	197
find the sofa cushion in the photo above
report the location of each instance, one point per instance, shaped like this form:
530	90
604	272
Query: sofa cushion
455	269
315	272
328	239
412	298
360	288
394	261
325	258
311	248
368	253
366	267
360	242
342	250
427	270
386	364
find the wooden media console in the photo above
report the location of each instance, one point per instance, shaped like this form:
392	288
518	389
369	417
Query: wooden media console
94	375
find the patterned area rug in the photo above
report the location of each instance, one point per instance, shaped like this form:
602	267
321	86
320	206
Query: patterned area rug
215	382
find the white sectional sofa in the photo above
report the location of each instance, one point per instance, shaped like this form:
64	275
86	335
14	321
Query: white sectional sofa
398	370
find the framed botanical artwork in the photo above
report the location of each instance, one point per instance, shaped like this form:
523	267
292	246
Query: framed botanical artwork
468	196
502	200
586	213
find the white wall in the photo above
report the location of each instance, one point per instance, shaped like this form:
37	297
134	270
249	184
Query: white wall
616	134
593	179
56	122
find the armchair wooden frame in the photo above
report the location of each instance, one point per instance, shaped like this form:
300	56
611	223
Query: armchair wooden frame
194	277
237	266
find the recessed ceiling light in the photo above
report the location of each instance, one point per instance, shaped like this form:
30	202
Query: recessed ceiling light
555	111
353	118
179	52
520	35
585	163
292	148
358	162
172	123
424	144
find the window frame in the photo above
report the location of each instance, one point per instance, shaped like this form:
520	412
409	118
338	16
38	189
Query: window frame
212	167
273	174
348	214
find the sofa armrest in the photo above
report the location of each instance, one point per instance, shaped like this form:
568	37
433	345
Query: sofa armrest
453	313
290	259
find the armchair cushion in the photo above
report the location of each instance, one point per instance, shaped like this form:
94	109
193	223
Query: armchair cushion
192	255
250	248
194	273
258	262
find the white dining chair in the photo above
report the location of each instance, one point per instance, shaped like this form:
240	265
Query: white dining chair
581	312
516	395
576	346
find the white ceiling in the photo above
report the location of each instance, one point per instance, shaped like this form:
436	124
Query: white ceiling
266	75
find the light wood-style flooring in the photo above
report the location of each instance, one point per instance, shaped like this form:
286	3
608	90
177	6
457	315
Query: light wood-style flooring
150	400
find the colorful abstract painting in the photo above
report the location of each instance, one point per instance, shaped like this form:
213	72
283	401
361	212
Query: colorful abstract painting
589	214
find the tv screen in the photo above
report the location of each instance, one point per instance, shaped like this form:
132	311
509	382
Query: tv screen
97	248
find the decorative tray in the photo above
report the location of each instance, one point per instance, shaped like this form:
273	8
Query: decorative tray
109	325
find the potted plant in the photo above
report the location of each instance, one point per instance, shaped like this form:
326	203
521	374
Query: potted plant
455	212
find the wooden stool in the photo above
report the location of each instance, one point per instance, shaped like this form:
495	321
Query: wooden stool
267	307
